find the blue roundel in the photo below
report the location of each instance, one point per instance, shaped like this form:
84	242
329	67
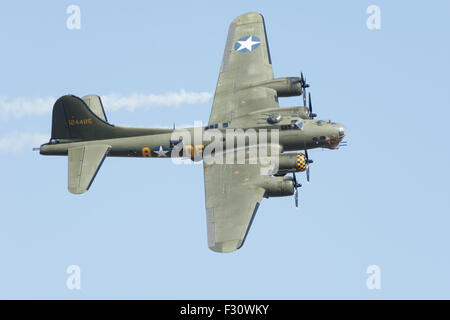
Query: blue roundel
247	44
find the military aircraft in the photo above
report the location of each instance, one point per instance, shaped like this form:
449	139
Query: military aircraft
246	98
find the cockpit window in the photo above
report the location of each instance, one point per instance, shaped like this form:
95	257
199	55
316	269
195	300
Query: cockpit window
212	126
320	122
299	124
288	127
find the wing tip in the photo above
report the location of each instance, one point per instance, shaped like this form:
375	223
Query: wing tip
76	190
226	246
249	17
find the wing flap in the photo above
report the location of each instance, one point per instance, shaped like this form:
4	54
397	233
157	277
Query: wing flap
232	195
228	226
84	163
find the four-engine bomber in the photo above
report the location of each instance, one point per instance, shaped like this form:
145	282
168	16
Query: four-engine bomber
248	148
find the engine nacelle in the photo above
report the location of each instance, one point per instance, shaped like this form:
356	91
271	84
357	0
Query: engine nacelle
300	111
278	187
291	162
285	87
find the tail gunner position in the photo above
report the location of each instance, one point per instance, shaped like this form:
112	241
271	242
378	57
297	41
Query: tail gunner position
246	97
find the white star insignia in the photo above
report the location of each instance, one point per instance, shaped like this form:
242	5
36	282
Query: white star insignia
161	152
247	44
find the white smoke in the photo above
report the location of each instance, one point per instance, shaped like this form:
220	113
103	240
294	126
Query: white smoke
17	142
114	102
20	107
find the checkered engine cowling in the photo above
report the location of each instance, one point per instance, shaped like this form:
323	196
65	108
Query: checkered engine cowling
292	162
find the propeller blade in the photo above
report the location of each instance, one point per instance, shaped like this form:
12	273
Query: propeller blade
310	104
303	80
307	174
308	162
296	186
311	114
304	86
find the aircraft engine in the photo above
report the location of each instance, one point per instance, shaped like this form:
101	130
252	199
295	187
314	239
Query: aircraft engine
278	187
291	162
285	87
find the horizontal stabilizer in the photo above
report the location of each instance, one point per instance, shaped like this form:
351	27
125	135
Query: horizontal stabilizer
84	163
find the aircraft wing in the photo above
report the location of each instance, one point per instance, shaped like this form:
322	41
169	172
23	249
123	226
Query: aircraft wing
246	61
232	198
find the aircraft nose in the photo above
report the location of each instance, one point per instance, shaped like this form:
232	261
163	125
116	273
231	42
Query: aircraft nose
342	131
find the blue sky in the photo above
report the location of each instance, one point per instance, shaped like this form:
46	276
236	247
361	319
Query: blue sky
140	231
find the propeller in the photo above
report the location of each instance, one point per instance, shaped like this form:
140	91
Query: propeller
311	114
296	186
308	162
304	86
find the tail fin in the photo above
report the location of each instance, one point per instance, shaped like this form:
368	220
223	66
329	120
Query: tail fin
84	119
73	119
